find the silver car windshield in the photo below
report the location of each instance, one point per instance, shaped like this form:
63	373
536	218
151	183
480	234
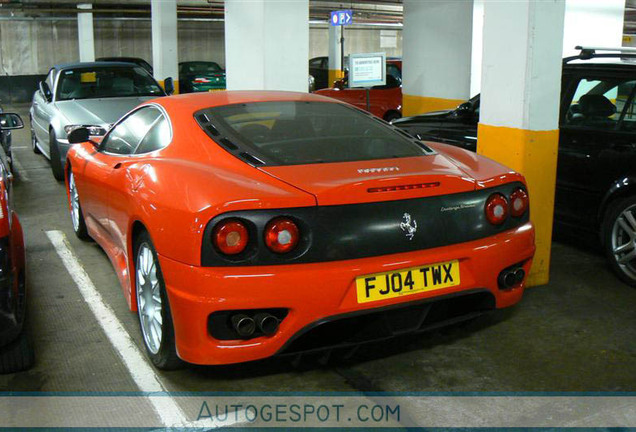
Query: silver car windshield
106	82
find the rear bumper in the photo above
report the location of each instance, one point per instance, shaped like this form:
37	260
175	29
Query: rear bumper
317	293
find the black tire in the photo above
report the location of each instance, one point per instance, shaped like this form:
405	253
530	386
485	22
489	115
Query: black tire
18	355
56	164
614	235
80	230
34	142
392	115
166	357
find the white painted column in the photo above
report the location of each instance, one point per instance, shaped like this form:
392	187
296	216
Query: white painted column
521	82
436	54
164	41
85	32
267	45
335	54
587	22
593	23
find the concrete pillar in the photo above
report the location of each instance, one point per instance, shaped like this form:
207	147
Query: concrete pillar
85	32
335	54
521	81
165	62
593	23
436	54
267	45
587	22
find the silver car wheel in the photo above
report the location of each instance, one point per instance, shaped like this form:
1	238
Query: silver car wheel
149	302
75	210
624	241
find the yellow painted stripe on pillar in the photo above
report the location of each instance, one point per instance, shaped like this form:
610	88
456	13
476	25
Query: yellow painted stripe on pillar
533	154
334	74
414	105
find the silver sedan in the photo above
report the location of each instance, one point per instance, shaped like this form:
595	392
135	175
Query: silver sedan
93	95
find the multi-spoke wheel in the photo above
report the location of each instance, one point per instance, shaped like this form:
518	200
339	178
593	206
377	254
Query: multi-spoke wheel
77	217
619	232
155	318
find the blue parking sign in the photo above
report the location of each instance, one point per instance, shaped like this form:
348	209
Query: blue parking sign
340	18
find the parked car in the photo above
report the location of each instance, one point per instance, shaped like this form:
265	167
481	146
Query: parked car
302	223
383	101
596	170
85	94
5	138
16	352
319	71
200	76
135	60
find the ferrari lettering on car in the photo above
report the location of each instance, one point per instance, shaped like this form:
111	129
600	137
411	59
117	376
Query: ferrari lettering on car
244	225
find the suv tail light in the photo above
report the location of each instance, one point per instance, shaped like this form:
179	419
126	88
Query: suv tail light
230	236
281	235
496	209
518	202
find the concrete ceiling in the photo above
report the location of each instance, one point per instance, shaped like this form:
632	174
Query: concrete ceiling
371	11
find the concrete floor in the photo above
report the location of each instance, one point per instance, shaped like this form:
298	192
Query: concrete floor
575	334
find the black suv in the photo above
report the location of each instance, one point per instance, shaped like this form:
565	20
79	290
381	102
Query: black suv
596	171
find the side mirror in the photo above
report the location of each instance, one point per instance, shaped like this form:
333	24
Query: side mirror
168	86
78	135
10	121
46	91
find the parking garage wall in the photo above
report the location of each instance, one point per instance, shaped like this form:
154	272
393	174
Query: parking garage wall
28	48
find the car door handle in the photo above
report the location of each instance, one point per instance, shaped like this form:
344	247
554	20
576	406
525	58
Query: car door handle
117	165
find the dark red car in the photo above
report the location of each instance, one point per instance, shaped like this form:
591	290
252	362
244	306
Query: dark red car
15	349
383	101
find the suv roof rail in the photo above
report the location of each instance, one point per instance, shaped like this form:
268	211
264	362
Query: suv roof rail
589	52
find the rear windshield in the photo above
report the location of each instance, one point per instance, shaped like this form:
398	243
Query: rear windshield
200	67
292	133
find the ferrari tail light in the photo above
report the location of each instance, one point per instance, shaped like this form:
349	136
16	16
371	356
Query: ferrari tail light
496	209
230	236
518	202
281	235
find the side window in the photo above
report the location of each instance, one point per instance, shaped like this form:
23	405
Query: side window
125	137
157	137
315	63
599	103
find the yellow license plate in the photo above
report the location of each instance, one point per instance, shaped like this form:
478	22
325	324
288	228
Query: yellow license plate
211	90
381	286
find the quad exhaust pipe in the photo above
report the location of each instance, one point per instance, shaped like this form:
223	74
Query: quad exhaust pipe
245	326
511	277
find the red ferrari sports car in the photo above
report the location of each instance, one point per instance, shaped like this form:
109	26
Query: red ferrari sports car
248	224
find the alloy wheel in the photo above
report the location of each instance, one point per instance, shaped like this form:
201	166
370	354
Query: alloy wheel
149	301
624	241
75	210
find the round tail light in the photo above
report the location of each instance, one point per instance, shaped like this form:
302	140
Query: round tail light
230	237
281	235
496	209
518	202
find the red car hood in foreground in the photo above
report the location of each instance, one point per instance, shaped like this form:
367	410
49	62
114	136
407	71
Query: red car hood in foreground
376	180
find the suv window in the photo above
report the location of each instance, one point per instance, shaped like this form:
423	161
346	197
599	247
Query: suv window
601	103
126	135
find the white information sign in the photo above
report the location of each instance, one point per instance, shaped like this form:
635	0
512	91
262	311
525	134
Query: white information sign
367	70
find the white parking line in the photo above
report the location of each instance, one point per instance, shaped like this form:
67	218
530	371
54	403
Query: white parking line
21	171
141	372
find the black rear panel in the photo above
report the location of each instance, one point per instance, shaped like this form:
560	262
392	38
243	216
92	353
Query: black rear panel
341	232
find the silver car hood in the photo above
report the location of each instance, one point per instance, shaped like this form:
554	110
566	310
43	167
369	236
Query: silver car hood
102	112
